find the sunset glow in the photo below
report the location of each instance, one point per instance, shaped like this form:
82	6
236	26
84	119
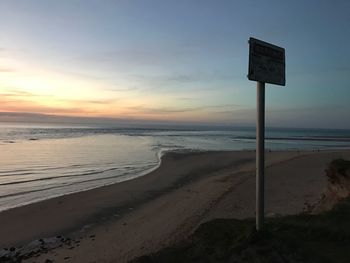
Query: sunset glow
125	60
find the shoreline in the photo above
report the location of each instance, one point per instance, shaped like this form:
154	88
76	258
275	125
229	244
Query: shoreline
160	155
46	203
143	173
186	189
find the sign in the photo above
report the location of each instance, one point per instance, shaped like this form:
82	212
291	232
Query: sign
266	65
266	62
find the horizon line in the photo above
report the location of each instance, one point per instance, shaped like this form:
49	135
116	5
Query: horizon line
30	117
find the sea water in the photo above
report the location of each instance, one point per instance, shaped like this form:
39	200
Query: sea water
41	161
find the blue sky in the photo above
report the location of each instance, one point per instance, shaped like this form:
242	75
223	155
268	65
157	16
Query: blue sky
174	60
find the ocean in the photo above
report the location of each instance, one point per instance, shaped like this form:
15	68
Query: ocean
41	161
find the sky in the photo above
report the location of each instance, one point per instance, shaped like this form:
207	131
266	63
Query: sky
174	61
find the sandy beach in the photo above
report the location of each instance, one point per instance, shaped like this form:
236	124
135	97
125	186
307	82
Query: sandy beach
118	222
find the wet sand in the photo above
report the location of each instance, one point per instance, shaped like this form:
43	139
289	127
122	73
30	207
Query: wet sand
118	222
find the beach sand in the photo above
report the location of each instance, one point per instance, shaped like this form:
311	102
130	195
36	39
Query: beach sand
118	222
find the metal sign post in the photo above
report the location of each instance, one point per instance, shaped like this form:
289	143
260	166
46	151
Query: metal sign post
260	155
266	65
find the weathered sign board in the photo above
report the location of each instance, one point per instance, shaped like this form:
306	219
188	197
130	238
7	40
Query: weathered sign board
266	65
266	62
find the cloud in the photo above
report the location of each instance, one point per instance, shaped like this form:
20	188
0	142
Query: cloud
308	109
160	110
22	101
17	105
331	116
187	99
178	78
172	82
127	61
165	79
17	93
122	89
20	95
7	70
171	110
82	75
137	66
99	101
